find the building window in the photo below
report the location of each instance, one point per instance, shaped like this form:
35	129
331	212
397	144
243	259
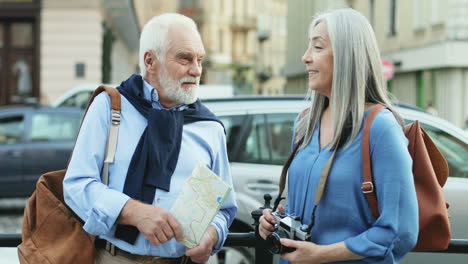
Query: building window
19	51
392	18
80	70
436	12
2	37
189	3
372	12
17	61
16	1
419	14
221	41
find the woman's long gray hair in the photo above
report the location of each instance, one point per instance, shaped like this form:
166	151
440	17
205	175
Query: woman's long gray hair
357	77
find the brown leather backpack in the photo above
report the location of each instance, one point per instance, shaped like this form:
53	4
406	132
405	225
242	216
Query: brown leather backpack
430	172
52	233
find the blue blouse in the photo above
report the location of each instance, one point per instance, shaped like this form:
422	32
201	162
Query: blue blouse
344	214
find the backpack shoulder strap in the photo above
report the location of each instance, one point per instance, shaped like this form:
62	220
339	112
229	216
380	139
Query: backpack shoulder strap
114	95
367	186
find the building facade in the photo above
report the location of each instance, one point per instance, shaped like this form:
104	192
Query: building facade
272	38
425	39
427	42
300	14
236	34
49	46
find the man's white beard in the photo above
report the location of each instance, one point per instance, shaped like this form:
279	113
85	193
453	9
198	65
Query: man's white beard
174	90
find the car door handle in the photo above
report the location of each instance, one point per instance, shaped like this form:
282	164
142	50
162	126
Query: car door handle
14	153
263	187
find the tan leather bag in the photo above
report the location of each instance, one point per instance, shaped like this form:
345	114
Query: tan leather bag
430	172
52	233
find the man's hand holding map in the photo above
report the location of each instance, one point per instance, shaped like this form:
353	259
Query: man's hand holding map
200	200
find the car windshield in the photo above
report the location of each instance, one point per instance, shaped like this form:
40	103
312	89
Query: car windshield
454	150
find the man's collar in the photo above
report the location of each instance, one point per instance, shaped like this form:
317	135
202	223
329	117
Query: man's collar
151	94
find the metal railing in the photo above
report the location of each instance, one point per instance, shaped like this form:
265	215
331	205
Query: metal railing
253	240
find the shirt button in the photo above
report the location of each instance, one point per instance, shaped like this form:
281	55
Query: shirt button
158	200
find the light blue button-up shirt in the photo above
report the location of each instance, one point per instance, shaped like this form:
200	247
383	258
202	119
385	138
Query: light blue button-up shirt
99	205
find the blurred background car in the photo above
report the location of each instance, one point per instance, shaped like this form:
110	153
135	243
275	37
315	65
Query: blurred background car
34	140
79	95
258	132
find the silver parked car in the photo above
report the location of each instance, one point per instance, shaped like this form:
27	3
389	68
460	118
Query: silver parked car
259	132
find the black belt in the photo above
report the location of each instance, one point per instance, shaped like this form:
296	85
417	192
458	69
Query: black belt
100	243
104	244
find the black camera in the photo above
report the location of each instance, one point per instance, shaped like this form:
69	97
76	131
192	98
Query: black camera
287	226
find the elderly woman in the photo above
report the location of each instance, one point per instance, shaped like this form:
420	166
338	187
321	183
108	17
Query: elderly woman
345	82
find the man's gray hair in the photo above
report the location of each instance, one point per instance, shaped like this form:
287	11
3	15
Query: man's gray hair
154	36
357	76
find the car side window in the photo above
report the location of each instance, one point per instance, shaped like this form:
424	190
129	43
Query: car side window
280	129
11	129
54	127
265	139
257	144
454	150
234	127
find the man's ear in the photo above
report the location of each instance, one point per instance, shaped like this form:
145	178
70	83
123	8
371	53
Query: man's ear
151	62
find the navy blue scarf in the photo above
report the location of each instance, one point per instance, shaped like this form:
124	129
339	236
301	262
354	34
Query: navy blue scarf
155	157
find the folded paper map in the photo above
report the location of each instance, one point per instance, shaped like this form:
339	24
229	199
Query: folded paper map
200	200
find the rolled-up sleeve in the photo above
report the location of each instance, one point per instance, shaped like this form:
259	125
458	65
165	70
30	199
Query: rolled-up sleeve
225	216
393	177
94	202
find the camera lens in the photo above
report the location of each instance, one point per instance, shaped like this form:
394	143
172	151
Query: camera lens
274	243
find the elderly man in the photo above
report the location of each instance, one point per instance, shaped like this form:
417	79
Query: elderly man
164	133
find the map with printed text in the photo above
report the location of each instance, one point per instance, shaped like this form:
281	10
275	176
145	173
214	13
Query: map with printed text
201	198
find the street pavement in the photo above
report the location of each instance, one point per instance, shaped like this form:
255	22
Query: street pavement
10	224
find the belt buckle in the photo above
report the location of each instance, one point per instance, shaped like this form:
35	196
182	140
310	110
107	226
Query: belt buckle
111	248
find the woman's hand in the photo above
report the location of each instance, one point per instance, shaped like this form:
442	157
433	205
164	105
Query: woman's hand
310	253
306	252
267	222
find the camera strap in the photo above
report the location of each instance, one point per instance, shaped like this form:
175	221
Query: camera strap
320	187
284	173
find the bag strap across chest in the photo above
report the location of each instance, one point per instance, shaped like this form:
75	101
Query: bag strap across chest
116	108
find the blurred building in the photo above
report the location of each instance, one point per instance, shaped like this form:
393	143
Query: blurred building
272	37
425	40
244	40
48	46
147	9
299	15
